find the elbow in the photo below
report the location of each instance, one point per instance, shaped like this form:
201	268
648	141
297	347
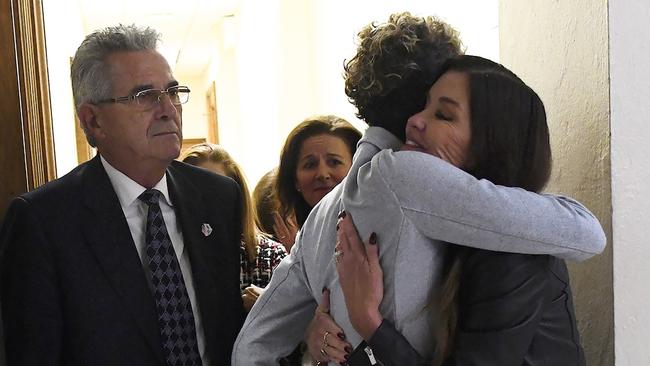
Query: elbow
599	238
593	241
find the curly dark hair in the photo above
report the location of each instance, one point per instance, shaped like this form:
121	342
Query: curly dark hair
395	65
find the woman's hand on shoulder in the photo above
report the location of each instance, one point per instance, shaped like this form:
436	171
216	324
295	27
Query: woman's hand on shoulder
360	276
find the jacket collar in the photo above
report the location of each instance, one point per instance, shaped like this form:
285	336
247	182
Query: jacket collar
108	236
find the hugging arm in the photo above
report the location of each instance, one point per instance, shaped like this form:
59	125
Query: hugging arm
447	204
361	279
277	321
502	297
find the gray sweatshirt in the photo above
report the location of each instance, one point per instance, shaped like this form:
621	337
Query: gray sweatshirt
413	201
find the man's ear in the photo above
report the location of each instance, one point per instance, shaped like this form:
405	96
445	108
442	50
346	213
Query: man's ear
88	118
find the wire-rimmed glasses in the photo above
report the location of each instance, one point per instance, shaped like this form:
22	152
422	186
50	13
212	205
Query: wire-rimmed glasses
177	94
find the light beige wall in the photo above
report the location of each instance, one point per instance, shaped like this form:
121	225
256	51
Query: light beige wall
64	32
195	115
560	49
285	63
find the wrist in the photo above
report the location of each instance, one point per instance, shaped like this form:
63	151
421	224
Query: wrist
369	325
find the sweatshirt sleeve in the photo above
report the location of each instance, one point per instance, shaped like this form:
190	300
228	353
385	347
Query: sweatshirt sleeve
448	204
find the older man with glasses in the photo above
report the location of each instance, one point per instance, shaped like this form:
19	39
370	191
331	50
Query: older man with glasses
132	258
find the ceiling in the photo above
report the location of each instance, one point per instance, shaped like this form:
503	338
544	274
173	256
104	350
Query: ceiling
189	28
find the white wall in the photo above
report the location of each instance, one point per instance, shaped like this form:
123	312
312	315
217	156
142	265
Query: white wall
63	33
335	33
195	114
287	64
275	63
629	39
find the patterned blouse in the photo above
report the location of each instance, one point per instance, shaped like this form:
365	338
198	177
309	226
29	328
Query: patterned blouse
258	273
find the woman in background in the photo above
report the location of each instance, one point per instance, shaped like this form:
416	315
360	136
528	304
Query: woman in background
266	204
316	156
259	253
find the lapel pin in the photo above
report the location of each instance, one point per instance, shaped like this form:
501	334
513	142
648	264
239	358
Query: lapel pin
206	229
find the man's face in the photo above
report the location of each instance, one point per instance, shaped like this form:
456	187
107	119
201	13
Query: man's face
131	136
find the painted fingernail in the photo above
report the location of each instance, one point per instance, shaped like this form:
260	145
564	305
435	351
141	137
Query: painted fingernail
342	214
324	289
373	238
341	335
346	356
348	349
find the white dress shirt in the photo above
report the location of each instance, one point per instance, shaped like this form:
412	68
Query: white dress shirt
135	211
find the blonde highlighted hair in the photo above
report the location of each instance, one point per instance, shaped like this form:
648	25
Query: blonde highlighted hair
201	153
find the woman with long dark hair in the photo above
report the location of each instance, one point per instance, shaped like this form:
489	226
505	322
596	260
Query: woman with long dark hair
495	308
316	156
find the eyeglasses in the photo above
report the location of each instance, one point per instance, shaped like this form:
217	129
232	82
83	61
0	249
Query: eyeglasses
149	98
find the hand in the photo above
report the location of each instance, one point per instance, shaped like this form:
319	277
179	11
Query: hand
250	295
360	276
324	334
285	230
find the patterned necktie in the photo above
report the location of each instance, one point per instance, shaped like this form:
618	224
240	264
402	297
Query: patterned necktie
172	301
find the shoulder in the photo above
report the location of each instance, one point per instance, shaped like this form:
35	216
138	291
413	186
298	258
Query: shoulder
416	165
499	263
485	266
486	274
198	175
56	205
64	191
203	180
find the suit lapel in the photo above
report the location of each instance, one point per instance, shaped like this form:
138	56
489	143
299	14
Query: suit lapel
192	214
110	239
203	250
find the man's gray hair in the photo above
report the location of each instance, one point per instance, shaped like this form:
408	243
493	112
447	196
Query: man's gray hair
90	74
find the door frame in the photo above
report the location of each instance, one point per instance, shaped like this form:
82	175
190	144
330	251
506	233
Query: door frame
27	152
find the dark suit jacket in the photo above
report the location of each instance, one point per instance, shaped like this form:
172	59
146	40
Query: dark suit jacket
74	291
513	310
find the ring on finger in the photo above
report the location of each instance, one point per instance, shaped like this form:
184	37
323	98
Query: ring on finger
337	255
325	344
322	352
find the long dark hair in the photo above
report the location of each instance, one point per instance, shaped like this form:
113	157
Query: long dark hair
509	146
292	201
